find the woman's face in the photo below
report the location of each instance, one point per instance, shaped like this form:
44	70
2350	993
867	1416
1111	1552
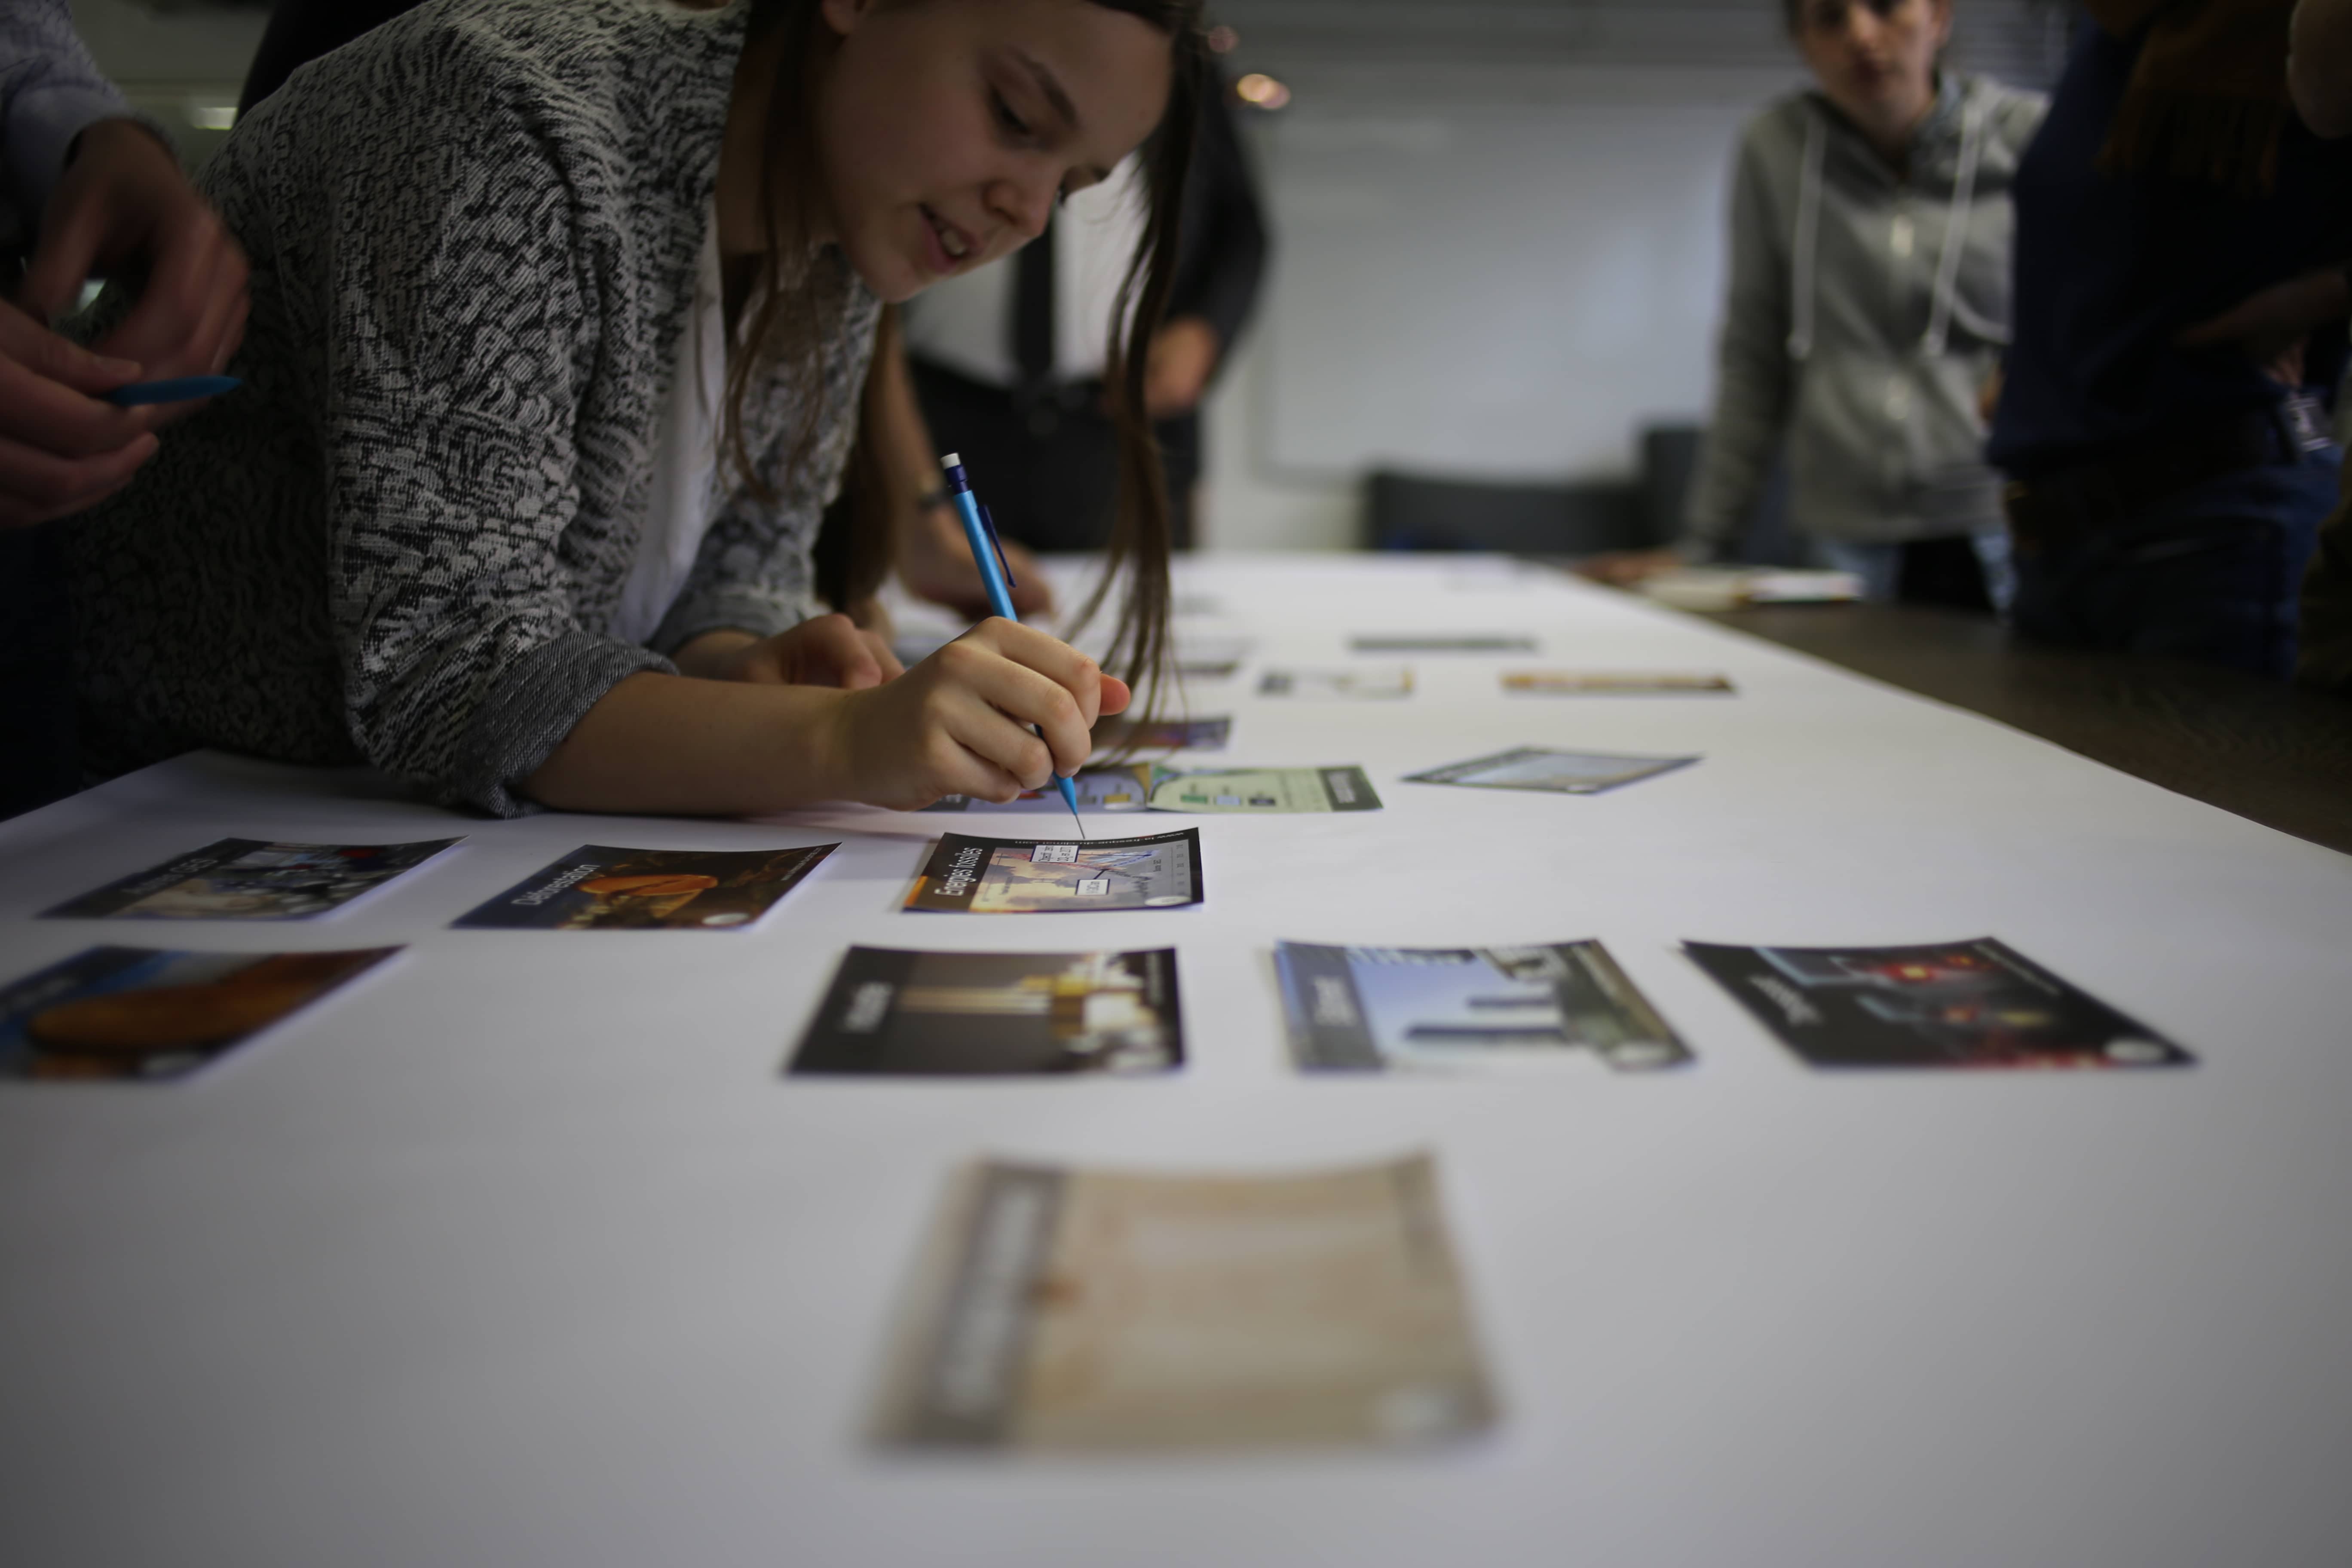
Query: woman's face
947	129
1876	58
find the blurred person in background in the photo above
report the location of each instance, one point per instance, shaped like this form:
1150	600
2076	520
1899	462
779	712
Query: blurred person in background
2179	329
2319	73
1867	308
85	186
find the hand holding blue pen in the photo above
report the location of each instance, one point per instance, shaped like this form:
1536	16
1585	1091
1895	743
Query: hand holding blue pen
987	554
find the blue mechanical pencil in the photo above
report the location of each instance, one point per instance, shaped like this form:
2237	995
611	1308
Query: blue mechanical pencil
996	576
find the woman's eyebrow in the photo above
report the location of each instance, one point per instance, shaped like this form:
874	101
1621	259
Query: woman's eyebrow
1051	86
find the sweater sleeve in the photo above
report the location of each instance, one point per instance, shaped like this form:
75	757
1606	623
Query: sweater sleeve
1753	375
50	92
460	342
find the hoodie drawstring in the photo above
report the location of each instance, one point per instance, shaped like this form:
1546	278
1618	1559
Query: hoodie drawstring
1955	233
1808	237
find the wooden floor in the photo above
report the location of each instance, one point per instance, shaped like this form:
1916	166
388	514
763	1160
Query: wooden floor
2279	754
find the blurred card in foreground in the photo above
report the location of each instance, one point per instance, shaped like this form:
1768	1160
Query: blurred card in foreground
1041	875
1978	1004
249	880
1374	1009
1268	791
1611	683
1368	683
146	1014
952	1014
599	888
1557	773
1094	1310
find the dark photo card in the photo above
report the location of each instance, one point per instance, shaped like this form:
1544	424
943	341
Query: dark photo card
1978	1004
983	1013
250	879
1555	772
599	887
1419	1009
1042	876
144	1014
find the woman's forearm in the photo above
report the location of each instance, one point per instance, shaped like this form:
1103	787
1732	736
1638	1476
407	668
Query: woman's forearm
669	744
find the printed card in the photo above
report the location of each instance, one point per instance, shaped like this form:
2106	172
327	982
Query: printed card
1443	642
248	880
979	1014
1557	773
147	1016
598	887
1976	1004
1366	683
1124	788
1382	1009
1614	683
1268	791
1033	875
1163	735
1099	1311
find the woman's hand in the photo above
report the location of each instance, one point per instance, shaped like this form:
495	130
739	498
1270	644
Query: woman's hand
1628	568
828	650
935	564
958	723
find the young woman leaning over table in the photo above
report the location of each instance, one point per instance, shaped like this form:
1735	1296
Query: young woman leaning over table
561	320
1868	308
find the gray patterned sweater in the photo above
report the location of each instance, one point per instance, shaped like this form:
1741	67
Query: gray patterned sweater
473	236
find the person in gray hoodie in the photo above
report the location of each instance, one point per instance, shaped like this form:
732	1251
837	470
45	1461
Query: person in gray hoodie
1868	307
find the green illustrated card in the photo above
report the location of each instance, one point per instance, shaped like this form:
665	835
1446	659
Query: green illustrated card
1268	791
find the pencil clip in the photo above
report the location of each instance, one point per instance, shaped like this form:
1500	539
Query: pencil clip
988	520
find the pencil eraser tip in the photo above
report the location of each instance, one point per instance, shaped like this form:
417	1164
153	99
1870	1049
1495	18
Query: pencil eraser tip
953	461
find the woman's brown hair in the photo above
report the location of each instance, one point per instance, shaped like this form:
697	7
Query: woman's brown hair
788	304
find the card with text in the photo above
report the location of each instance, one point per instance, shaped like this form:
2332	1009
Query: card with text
598	887
1043	876
252	880
893	1013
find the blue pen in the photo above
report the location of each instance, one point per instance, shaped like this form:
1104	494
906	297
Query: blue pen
996	576
186	389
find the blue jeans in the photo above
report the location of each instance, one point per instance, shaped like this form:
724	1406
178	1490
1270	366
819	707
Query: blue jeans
1880	566
2209	573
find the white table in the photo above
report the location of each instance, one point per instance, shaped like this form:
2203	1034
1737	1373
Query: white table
520	1252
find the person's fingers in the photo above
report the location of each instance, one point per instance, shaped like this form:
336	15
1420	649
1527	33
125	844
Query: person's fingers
72	231
1050	656
1116	696
50	357
1015	686
885	656
829	650
50	417
999	744
37	486
193	286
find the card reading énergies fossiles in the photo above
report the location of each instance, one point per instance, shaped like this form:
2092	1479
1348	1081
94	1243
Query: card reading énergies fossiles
1060	875
1555	772
599	887
893	1013
1379	1009
1976	1004
147	1015
251	880
1082	1311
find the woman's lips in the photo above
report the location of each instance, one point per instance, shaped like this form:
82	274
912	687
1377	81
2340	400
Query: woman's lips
948	247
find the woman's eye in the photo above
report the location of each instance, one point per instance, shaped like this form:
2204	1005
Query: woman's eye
1005	116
